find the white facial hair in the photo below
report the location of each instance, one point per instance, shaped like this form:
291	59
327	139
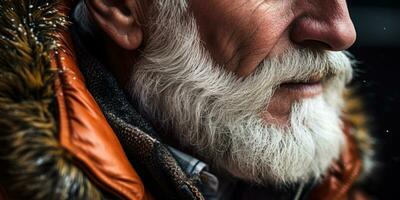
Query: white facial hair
218	115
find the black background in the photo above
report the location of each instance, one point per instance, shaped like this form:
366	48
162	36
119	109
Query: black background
378	80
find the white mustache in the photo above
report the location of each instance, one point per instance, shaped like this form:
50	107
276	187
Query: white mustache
304	65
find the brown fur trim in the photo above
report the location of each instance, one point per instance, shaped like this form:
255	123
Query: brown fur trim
354	114
33	165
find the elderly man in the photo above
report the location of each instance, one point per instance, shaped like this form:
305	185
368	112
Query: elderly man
179	99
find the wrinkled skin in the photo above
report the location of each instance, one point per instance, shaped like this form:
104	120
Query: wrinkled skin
239	34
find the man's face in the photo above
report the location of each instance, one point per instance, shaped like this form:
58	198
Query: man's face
241	33
251	86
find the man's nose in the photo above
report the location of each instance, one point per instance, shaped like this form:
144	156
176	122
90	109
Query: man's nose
324	24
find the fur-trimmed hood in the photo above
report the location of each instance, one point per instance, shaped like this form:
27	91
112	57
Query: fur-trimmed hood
32	163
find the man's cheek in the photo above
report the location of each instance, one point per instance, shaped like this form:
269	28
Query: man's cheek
242	33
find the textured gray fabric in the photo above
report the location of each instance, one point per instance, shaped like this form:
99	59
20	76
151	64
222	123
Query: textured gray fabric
155	164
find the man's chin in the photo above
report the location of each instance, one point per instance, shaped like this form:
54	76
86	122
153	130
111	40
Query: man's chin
283	155
280	105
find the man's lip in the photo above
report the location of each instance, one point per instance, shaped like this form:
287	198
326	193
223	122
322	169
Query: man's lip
311	80
301	90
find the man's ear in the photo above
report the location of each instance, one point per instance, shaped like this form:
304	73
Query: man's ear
119	19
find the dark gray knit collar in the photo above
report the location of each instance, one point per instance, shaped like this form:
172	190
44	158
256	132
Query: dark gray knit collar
158	164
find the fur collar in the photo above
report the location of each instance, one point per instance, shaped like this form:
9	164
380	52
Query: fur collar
32	163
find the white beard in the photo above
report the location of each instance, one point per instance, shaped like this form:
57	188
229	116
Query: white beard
218	115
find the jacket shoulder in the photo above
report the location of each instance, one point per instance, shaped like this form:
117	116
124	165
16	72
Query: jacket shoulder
36	161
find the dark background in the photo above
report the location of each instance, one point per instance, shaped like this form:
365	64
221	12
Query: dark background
378	80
